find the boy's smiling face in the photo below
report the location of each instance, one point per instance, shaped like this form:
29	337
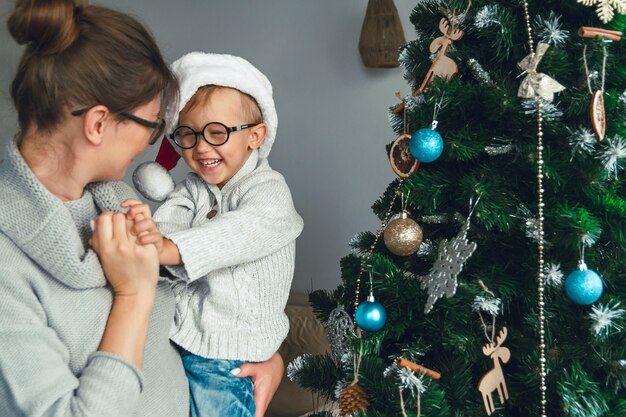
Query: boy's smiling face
218	164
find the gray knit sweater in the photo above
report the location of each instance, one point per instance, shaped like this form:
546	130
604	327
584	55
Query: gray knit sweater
237	266
54	305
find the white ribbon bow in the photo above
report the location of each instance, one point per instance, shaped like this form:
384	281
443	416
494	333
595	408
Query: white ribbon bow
536	83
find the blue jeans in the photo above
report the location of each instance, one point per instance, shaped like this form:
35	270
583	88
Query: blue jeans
214	391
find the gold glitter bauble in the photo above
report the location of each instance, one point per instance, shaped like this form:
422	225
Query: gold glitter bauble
403	236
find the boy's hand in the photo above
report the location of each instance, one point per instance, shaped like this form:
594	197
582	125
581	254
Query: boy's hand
143	225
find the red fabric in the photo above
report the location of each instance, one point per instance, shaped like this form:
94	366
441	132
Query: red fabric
167	156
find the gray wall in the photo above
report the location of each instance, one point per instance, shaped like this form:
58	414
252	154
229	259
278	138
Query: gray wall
332	111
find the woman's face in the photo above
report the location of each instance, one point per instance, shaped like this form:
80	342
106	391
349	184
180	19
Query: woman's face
129	138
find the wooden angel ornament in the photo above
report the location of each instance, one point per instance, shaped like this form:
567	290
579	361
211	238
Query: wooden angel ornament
494	379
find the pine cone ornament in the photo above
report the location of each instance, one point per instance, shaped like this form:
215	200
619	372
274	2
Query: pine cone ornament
352	399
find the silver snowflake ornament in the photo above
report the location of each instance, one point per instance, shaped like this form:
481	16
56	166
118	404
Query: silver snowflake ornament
442	279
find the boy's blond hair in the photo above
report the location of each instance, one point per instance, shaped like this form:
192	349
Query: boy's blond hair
249	107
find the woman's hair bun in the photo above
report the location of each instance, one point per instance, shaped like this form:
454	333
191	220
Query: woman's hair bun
46	26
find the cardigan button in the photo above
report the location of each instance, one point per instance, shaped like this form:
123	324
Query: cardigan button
211	214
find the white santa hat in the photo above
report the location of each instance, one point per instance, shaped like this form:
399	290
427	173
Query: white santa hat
195	70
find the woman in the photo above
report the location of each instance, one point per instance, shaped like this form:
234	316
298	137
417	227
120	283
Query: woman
84	333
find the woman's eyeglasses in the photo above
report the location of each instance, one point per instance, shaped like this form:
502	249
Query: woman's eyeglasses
158	126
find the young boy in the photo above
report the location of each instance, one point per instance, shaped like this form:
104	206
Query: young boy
229	231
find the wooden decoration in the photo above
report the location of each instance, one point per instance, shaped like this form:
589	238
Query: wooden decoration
494	379
591	32
405	363
596	109
442	66
402	162
598	115
381	35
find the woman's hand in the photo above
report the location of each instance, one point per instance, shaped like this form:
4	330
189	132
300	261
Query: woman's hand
266	377
131	268
143	225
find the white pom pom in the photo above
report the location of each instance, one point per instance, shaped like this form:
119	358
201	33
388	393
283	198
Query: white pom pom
153	181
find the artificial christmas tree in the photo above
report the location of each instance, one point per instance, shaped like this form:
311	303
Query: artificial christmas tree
529	185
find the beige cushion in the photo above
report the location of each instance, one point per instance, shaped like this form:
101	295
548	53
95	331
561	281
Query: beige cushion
306	335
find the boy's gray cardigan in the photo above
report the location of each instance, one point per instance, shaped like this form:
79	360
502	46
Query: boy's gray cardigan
54	305
238	265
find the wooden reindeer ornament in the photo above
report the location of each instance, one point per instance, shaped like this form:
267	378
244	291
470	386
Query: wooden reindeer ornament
494	379
442	66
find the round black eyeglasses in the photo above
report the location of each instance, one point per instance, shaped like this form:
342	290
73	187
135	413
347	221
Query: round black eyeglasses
214	133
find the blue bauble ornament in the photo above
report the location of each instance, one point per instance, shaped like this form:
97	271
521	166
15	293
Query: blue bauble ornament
583	286
370	315
426	145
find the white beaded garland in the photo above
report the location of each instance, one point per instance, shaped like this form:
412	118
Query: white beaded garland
540	163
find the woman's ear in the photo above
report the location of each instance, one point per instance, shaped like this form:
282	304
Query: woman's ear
94	122
257	136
